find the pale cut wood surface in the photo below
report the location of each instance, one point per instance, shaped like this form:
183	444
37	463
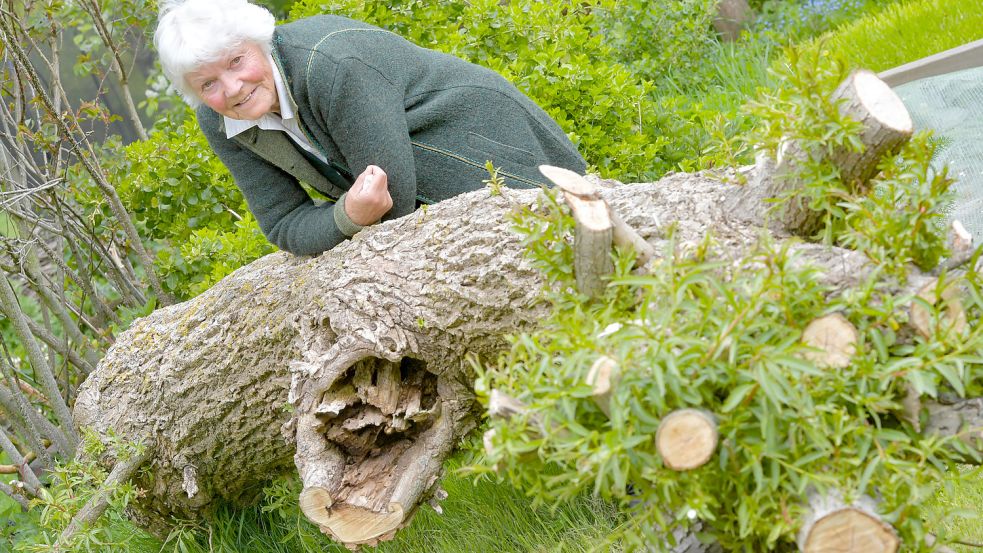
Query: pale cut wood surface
835	339
686	439
592	243
831	525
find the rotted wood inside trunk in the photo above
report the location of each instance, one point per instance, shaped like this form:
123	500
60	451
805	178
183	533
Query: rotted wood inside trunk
373	414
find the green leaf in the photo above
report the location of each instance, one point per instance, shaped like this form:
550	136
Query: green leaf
952	376
737	396
923	382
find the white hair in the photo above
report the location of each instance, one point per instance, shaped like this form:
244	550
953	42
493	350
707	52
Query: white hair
191	33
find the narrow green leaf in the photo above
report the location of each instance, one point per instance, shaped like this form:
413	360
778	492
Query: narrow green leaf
737	396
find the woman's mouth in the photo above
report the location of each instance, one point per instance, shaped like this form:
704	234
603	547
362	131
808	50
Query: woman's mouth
247	98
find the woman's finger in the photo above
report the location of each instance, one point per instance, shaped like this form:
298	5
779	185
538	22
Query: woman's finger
376	180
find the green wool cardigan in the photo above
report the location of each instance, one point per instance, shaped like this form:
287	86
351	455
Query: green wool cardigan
366	96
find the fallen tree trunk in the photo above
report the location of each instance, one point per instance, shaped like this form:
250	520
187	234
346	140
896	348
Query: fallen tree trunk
354	366
377	334
399	309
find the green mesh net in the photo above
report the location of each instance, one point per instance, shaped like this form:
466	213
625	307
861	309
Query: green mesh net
951	105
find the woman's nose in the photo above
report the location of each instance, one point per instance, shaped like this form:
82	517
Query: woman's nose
231	85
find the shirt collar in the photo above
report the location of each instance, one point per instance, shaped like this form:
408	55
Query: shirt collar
287	109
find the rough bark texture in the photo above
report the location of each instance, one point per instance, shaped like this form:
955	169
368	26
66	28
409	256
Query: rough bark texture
206	382
360	356
732	16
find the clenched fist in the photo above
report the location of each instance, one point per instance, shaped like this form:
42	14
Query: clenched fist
369	199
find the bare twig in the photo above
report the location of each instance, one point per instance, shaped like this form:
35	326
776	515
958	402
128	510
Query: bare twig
83	151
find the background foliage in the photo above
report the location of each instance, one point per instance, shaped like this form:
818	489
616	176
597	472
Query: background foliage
643	88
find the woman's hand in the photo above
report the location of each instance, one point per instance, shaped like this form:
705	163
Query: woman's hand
369	199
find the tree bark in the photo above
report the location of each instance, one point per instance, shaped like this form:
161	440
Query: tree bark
732	16
283	342
362	355
208	383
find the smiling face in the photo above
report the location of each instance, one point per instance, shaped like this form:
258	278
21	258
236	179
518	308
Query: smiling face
238	85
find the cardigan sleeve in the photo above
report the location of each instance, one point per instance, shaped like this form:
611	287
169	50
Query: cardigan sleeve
285	212
366	117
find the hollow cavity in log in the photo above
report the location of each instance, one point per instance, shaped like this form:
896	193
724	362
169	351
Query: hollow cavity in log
365	453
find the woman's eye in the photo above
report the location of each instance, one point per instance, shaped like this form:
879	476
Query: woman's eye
236	60
207	85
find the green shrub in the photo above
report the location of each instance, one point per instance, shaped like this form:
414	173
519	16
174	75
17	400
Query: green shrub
72	485
726	337
184	203
554	52
655	38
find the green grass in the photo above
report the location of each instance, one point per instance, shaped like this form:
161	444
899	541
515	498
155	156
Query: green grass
482	517
906	31
487	517
964	494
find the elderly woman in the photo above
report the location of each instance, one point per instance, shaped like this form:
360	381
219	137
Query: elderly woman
323	99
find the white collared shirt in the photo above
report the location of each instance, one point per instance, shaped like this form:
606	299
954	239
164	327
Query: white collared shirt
286	121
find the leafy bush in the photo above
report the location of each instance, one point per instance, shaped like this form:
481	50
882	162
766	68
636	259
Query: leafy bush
73	484
554	52
726	337
185	204
655	38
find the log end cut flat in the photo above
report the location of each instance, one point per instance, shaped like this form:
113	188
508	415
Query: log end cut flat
352	525
851	530
569	181
881	102
602	378
686	439
952	319
833	339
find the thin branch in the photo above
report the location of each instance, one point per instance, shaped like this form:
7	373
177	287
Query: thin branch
10	306
9	492
96	506
17	459
92	8
35	421
37	428
83	282
81	150
61	346
69	325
